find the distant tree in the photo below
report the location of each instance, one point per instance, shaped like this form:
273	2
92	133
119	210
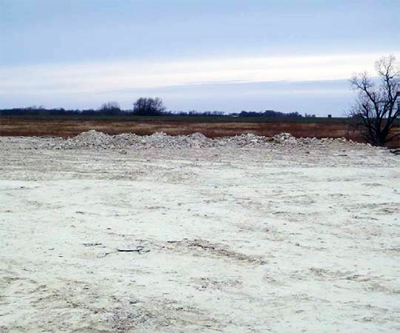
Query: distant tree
269	114
145	106
110	107
309	115
375	109
294	115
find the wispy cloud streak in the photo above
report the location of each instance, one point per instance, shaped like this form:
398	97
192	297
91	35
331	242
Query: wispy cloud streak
113	76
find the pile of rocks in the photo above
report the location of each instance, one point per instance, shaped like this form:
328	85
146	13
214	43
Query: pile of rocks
285	138
90	139
162	140
98	140
248	140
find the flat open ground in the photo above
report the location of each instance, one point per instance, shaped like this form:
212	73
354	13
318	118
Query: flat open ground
276	239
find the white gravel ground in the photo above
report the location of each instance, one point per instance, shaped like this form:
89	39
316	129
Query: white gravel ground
276	238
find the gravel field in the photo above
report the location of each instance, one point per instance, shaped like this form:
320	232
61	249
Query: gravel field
125	233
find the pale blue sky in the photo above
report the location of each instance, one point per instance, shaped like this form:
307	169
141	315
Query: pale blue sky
195	54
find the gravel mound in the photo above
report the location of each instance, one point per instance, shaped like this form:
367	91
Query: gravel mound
99	140
284	138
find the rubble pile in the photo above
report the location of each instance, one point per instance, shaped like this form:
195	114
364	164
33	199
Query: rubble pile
90	139
248	140
98	140
285	138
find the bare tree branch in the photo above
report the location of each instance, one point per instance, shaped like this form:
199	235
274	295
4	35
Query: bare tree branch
376	108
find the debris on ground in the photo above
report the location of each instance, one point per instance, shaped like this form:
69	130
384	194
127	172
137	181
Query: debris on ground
123	142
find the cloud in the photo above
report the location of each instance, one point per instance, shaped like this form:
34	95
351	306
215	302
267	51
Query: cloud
102	77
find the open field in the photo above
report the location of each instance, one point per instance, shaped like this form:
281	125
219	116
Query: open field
213	127
280	238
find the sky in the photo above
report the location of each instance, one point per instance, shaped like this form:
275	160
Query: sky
205	55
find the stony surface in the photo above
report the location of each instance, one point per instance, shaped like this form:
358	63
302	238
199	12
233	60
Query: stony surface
126	234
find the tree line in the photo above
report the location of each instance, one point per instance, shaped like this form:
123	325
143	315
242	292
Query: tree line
144	106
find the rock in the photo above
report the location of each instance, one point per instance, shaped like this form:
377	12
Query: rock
284	138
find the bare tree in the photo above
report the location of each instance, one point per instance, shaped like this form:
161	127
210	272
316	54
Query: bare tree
149	107
376	110
110	107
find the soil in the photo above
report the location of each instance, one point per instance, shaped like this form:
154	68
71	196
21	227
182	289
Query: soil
281	236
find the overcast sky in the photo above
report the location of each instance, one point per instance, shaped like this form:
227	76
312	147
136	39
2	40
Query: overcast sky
229	55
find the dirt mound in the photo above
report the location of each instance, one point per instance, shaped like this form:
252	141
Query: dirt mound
99	141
